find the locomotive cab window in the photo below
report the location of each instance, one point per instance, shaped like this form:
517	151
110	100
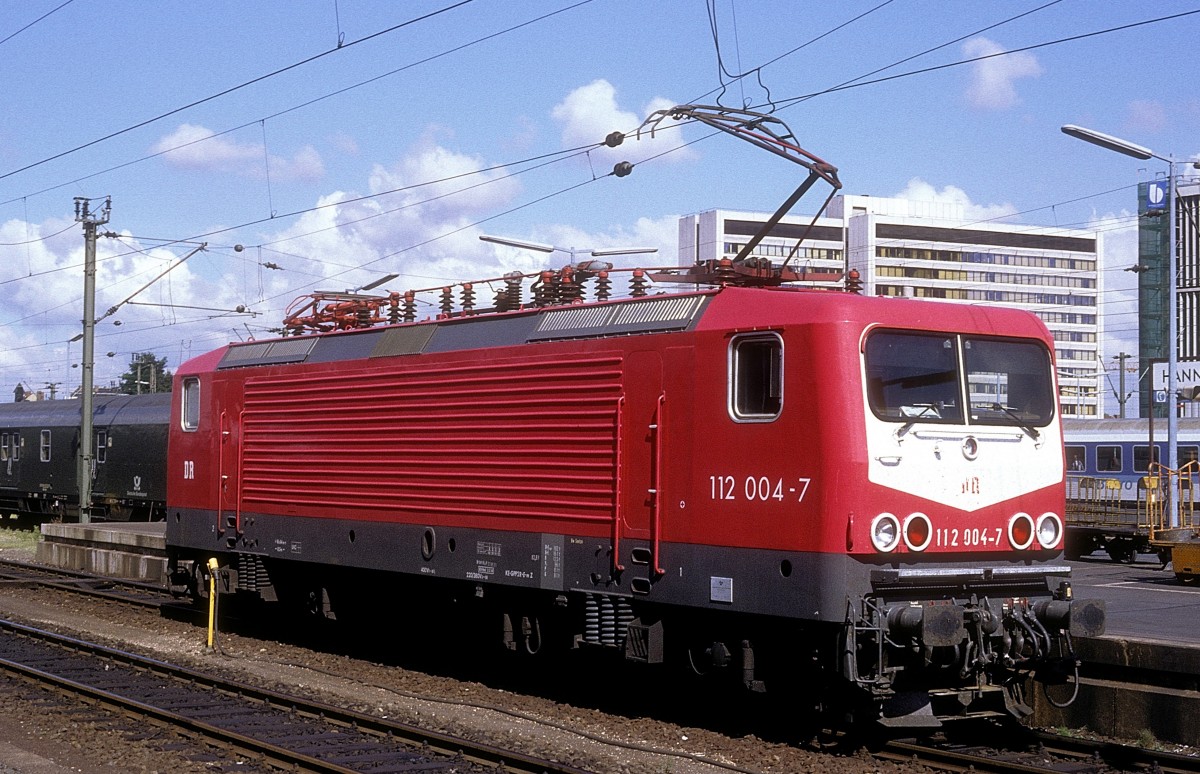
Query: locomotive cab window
929	377
1009	382
913	377
191	404
756	378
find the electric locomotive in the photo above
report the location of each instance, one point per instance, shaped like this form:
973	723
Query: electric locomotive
790	487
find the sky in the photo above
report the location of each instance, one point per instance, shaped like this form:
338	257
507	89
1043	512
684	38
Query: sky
284	148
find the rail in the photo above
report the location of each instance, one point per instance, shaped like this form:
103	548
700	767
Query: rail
273	729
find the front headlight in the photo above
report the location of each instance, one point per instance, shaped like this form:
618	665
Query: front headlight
1049	530
885	532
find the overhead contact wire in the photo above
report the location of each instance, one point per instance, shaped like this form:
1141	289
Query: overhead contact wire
232	89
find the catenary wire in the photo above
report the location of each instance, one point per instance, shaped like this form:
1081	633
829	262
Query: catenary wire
305	104
44	16
901	75
232	89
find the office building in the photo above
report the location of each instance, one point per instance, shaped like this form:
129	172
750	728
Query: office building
930	250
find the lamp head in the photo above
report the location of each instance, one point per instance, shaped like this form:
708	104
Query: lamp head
1108	142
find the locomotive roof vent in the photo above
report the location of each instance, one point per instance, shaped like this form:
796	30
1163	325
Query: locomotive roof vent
267	352
655	314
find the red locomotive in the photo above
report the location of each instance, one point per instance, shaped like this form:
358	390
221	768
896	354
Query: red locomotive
775	481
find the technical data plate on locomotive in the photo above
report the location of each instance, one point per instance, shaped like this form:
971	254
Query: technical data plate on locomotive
552	561
536	561
720	590
487	558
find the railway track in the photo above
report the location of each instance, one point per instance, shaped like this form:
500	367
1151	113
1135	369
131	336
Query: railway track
273	729
1045	753
28	574
1042	752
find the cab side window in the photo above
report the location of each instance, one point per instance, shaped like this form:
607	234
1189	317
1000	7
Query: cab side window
756	377
191	404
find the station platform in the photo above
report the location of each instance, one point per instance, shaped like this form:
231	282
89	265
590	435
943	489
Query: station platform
1142	601
130	550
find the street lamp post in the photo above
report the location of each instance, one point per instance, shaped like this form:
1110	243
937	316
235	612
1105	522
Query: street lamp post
1139	152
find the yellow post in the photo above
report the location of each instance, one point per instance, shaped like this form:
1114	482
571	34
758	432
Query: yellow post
212	601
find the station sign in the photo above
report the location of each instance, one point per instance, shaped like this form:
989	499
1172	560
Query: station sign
1187	376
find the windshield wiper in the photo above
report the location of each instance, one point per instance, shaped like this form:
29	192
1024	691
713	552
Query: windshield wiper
1011	413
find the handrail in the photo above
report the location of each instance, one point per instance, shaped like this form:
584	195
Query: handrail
616	529
222	441
237	480
656	494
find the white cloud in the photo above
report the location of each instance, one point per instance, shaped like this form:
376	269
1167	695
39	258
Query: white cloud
427	234
43	288
590	113
921	191
423	231
1146	116
199	149
993	80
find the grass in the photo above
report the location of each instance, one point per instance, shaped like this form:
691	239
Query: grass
20	539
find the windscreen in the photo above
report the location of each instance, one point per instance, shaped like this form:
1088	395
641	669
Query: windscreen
1008	380
928	377
914	377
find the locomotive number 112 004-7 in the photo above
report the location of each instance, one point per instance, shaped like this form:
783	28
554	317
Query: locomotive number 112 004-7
982	536
757	488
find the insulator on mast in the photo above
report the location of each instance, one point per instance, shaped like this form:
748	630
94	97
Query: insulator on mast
570	288
638	283
512	282
393	308
726	275
854	282
543	289
603	286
